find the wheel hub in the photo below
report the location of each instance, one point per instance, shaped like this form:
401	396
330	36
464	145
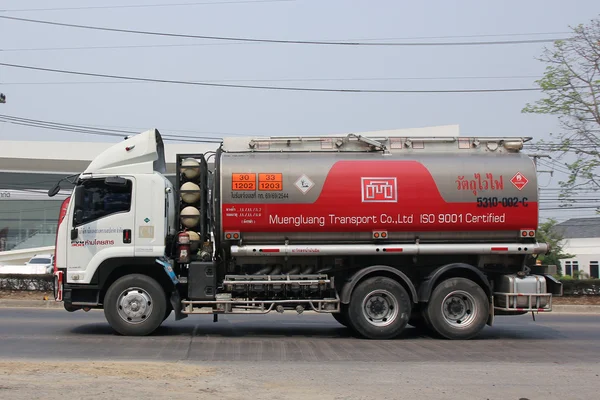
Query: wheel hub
459	309
456	307
134	305
380	308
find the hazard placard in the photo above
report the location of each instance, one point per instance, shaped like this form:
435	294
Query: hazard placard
519	181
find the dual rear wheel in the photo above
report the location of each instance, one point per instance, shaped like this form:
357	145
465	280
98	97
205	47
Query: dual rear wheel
380	308
458	309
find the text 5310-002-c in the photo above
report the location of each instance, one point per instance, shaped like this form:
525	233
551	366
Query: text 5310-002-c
487	202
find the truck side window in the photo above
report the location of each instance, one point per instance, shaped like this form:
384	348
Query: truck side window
99	200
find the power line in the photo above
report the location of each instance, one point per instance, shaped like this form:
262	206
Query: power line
135	46
210	3
569	208
57	124
577	198
576	191
94	131
88	129
287	80
137	129
285	88
279	41
555	166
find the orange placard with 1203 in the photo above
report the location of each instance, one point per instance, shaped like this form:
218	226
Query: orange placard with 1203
243	181
270	182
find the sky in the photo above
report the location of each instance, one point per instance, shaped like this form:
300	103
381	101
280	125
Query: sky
218	111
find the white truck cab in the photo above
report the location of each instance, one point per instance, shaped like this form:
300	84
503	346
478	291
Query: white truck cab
120	212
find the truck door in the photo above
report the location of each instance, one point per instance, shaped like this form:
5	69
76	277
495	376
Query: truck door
102	225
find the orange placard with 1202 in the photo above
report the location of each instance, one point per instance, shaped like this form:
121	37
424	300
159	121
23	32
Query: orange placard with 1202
270	182
243	181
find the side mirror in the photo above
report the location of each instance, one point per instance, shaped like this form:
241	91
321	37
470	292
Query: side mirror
54	191
74	233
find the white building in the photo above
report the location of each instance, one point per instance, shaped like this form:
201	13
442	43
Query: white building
581	238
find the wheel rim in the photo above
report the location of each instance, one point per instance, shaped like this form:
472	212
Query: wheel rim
380	308
134	305
459	309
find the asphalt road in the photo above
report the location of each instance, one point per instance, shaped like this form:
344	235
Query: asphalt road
291	337
303	356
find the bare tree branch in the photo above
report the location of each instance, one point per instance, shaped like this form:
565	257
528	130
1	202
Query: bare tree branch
572	92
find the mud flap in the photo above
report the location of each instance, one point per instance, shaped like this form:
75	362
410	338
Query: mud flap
175	299
176	304
490	320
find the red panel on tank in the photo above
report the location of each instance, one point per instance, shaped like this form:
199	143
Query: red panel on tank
360	196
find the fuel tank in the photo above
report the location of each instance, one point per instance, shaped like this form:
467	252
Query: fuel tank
436	192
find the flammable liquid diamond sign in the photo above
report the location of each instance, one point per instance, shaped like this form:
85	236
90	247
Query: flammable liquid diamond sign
519	181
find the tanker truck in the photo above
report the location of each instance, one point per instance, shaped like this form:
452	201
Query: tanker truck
380	232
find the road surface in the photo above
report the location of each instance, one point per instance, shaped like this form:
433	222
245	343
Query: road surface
294	356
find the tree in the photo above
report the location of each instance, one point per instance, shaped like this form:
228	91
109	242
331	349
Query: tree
548	233
571	85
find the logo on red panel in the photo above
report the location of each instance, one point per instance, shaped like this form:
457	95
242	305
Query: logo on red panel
519	180
379	190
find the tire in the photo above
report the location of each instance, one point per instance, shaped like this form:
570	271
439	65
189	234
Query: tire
417	320
469	312
168	311
342	316
135	305
379	308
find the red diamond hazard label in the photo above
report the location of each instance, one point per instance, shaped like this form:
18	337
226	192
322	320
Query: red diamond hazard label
519	180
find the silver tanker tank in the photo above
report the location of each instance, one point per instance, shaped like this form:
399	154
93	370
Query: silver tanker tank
357	190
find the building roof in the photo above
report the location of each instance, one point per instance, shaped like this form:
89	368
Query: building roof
579	228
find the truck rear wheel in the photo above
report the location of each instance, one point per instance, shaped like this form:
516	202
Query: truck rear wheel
379	308
135	305
458	309
417	319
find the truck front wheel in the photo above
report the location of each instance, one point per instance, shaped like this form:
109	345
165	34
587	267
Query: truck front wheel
379	308
458	309
135	305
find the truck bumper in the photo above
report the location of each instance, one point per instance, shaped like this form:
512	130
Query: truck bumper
75	297
58	285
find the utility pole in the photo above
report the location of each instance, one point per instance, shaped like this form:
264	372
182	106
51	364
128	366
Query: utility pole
535	158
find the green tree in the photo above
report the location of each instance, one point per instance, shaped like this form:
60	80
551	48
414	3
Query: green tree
548	233
571	86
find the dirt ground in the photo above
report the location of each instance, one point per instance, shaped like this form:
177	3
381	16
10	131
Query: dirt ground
578	300
108	380
25	295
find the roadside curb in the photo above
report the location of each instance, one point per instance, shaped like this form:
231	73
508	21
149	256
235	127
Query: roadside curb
576	309
9	303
